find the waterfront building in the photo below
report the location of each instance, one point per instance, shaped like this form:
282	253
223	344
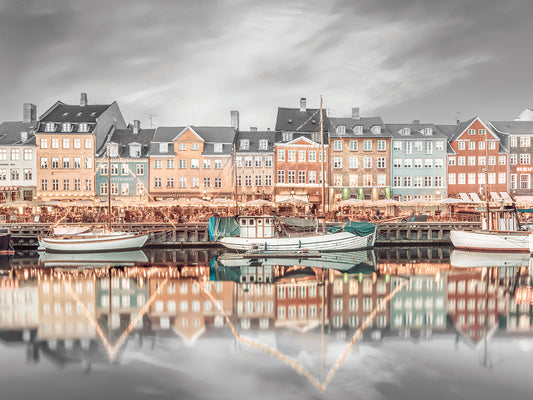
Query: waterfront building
68	137
418	162
255	305
354	297
299	299
299	154
477	158
254	165
129	164
518	135
192	161
19	306
17	157
360	149
420	305
127	296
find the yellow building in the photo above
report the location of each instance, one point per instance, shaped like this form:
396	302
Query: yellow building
67	138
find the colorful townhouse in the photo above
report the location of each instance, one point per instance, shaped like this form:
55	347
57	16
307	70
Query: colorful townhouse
359	151
418	167
17	157
128	152
255	305
519	135
477	161
254	165
302	155
192	161
68	137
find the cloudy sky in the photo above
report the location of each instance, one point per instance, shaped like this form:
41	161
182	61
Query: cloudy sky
191	62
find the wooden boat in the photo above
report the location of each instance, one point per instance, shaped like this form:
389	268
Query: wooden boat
479	259
501	232
261	233
92	259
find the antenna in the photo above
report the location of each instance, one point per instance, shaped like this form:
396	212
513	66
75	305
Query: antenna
151	118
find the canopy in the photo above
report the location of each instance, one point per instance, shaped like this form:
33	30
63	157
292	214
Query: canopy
259	202
220	227
294	202
356	228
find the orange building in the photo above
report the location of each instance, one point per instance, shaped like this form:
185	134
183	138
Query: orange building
68	137
192	162
476	160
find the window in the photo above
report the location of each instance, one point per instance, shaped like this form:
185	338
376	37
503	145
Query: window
353	145
381	162
88	184
301	176
301	155
28	154
492	145
263	144
248	162
501	177
44	182
418	163
418	145
77	143
291	155
367	180
471	145
501	160
291	176
408	148
258	161
381	180
337	144
77	184
248	180
268	161
207	182
88	162
312	156
337	162
88	143
367	145
281	155
354	163
481	145
182	163
367	162
15	174
66	184
15	154
461	160
382	145
83	127
66	143
461	179
77	163
27	174
195	146
170	163
471	160
50	127
182	182
157	182
461	145
114	169
218	164
471	178
218	148
55	163
408	163
195	182
429	147
207	163
66	163
428	163
268	180
170	183
245	144
114	188
525	141
281	176
218	183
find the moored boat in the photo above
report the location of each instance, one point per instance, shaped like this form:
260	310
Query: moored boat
262	233
6	246
479	259
94	242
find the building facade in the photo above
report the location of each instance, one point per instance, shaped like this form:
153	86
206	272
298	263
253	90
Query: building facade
68	138
418	162
360	158
192	162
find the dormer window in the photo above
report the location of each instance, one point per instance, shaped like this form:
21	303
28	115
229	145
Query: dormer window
427	131
313	121
341	130
358	129
376	129
79	114
286	136
405	131
163	147
113	150
290	121
67	127
135	150
218	147
263	144
245	144
83	127
50	127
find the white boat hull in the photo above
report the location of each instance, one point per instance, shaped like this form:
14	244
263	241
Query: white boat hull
116	241
491	241
329	242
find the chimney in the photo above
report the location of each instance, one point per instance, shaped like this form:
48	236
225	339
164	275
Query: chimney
253	129
235	119
136	126
268	129
23	136
416	122
303	105
29	112
355	113
83	100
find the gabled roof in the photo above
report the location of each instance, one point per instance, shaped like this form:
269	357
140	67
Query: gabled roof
254	137
350	123
416	131
10	133
214	134
125	137
167	133
298	138
290	119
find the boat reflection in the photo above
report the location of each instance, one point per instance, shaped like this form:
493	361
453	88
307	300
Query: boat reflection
96	260
476	259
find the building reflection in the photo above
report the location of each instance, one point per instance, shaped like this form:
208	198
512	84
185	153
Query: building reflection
84	315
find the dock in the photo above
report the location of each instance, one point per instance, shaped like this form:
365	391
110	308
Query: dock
196	235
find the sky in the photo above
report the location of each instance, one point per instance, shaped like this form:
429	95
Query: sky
183	62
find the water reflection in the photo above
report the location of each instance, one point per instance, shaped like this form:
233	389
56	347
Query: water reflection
83	310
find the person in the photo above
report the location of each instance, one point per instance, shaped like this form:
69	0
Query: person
413	217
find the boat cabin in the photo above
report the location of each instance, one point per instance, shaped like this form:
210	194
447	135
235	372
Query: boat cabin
257	226
501	219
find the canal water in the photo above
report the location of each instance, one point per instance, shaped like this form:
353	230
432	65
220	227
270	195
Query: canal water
402	323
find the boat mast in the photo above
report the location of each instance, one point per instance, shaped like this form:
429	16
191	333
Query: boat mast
235	178
322	164
109	186
486	169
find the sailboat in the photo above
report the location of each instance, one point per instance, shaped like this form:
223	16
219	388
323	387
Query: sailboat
95	240
264	232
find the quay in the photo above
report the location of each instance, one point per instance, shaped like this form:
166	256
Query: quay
196	234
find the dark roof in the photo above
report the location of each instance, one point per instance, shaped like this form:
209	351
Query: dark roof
10	133
350	123
460	128
254	137
416	131
214	134
513	127
74	113
167	133
123	137
292	119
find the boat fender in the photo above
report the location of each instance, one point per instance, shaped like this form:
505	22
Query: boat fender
299	244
